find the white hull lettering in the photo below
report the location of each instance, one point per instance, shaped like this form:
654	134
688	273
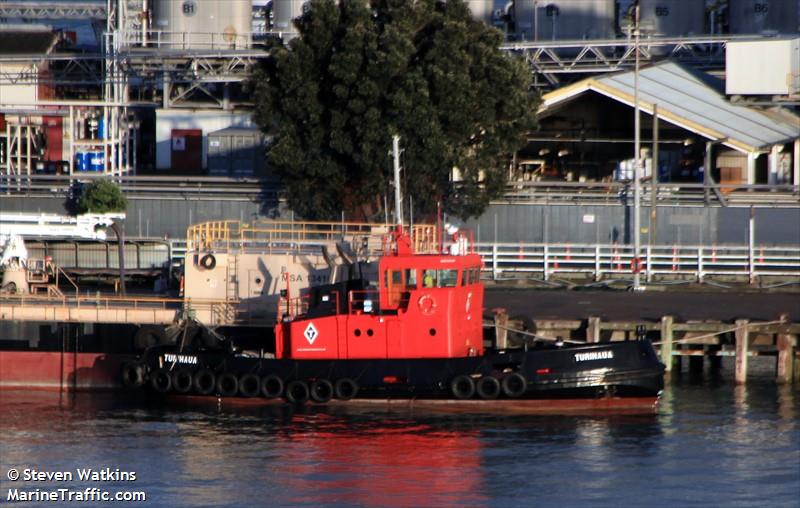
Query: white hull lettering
189	360
594	355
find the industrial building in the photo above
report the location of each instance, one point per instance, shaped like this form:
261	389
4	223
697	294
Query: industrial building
126	87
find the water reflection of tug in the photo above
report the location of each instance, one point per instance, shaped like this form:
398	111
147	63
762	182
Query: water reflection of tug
416	336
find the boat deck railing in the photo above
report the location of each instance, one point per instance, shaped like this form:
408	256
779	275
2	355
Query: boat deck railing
233	235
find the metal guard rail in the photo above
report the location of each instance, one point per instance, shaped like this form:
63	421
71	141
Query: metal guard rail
612	260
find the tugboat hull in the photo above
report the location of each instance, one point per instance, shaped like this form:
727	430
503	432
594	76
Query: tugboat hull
619	370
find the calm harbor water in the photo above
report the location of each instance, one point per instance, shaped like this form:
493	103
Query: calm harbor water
709	444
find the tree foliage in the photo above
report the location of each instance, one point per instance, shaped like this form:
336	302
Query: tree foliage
359	73
101	196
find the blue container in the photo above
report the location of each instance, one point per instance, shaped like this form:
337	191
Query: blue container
96	161
82	161
101	128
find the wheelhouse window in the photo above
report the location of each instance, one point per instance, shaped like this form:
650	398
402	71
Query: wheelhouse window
470	276
440	278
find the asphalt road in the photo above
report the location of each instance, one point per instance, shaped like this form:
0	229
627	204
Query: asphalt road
622	305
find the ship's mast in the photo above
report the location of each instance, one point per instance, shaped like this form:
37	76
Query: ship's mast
398	198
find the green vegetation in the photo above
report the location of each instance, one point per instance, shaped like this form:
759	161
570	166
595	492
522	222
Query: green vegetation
104	196
358	74
101	196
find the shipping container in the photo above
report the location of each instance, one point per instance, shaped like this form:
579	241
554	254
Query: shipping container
235	152
763	67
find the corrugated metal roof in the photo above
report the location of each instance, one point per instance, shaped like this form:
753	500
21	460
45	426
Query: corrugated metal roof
693	101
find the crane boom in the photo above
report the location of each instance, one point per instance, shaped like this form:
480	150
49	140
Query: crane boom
88	226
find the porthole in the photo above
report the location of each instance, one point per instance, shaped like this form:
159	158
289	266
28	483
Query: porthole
432	331
370	333
357	332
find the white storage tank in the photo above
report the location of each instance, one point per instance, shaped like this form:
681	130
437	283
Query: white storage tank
565	19
202	24
482	10
673	18
764	16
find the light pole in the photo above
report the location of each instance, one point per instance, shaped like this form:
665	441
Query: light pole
637	188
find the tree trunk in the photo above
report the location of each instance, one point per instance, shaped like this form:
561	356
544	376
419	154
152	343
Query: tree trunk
121	254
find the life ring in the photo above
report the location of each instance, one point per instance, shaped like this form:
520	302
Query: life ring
426	304
346	389
182	381
321	391
636	265
227	384
133	375
488	388
462	387
208	261
271	387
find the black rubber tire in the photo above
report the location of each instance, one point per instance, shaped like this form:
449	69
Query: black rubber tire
149	335
208	261
182	381
249	385
514	385
204	382
297	392
161	381
271	387
132	374
321	391
345	389
462	387
488	388
227	385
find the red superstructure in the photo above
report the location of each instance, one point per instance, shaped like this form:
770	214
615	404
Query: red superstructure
425	306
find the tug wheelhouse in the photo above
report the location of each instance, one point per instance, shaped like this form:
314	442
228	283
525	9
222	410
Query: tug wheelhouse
424	306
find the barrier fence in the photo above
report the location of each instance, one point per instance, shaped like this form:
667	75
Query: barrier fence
601	261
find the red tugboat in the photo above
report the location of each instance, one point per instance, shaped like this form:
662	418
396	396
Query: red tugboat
415	337
418	335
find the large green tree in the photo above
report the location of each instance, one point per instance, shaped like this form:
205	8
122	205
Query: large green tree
360	72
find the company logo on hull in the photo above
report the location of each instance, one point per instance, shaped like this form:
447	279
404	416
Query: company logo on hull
594	355
311	333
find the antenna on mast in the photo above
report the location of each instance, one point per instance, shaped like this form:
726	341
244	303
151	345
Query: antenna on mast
398	198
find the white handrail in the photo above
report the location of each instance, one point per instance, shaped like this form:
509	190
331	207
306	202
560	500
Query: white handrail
600	261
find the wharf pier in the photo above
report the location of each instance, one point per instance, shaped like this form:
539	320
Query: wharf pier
697	340
136	310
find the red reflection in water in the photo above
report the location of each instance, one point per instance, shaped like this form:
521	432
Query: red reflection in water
404	464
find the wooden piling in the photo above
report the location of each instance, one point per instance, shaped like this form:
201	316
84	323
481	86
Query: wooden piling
666	341
742	347
786	358
501	328
593	329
